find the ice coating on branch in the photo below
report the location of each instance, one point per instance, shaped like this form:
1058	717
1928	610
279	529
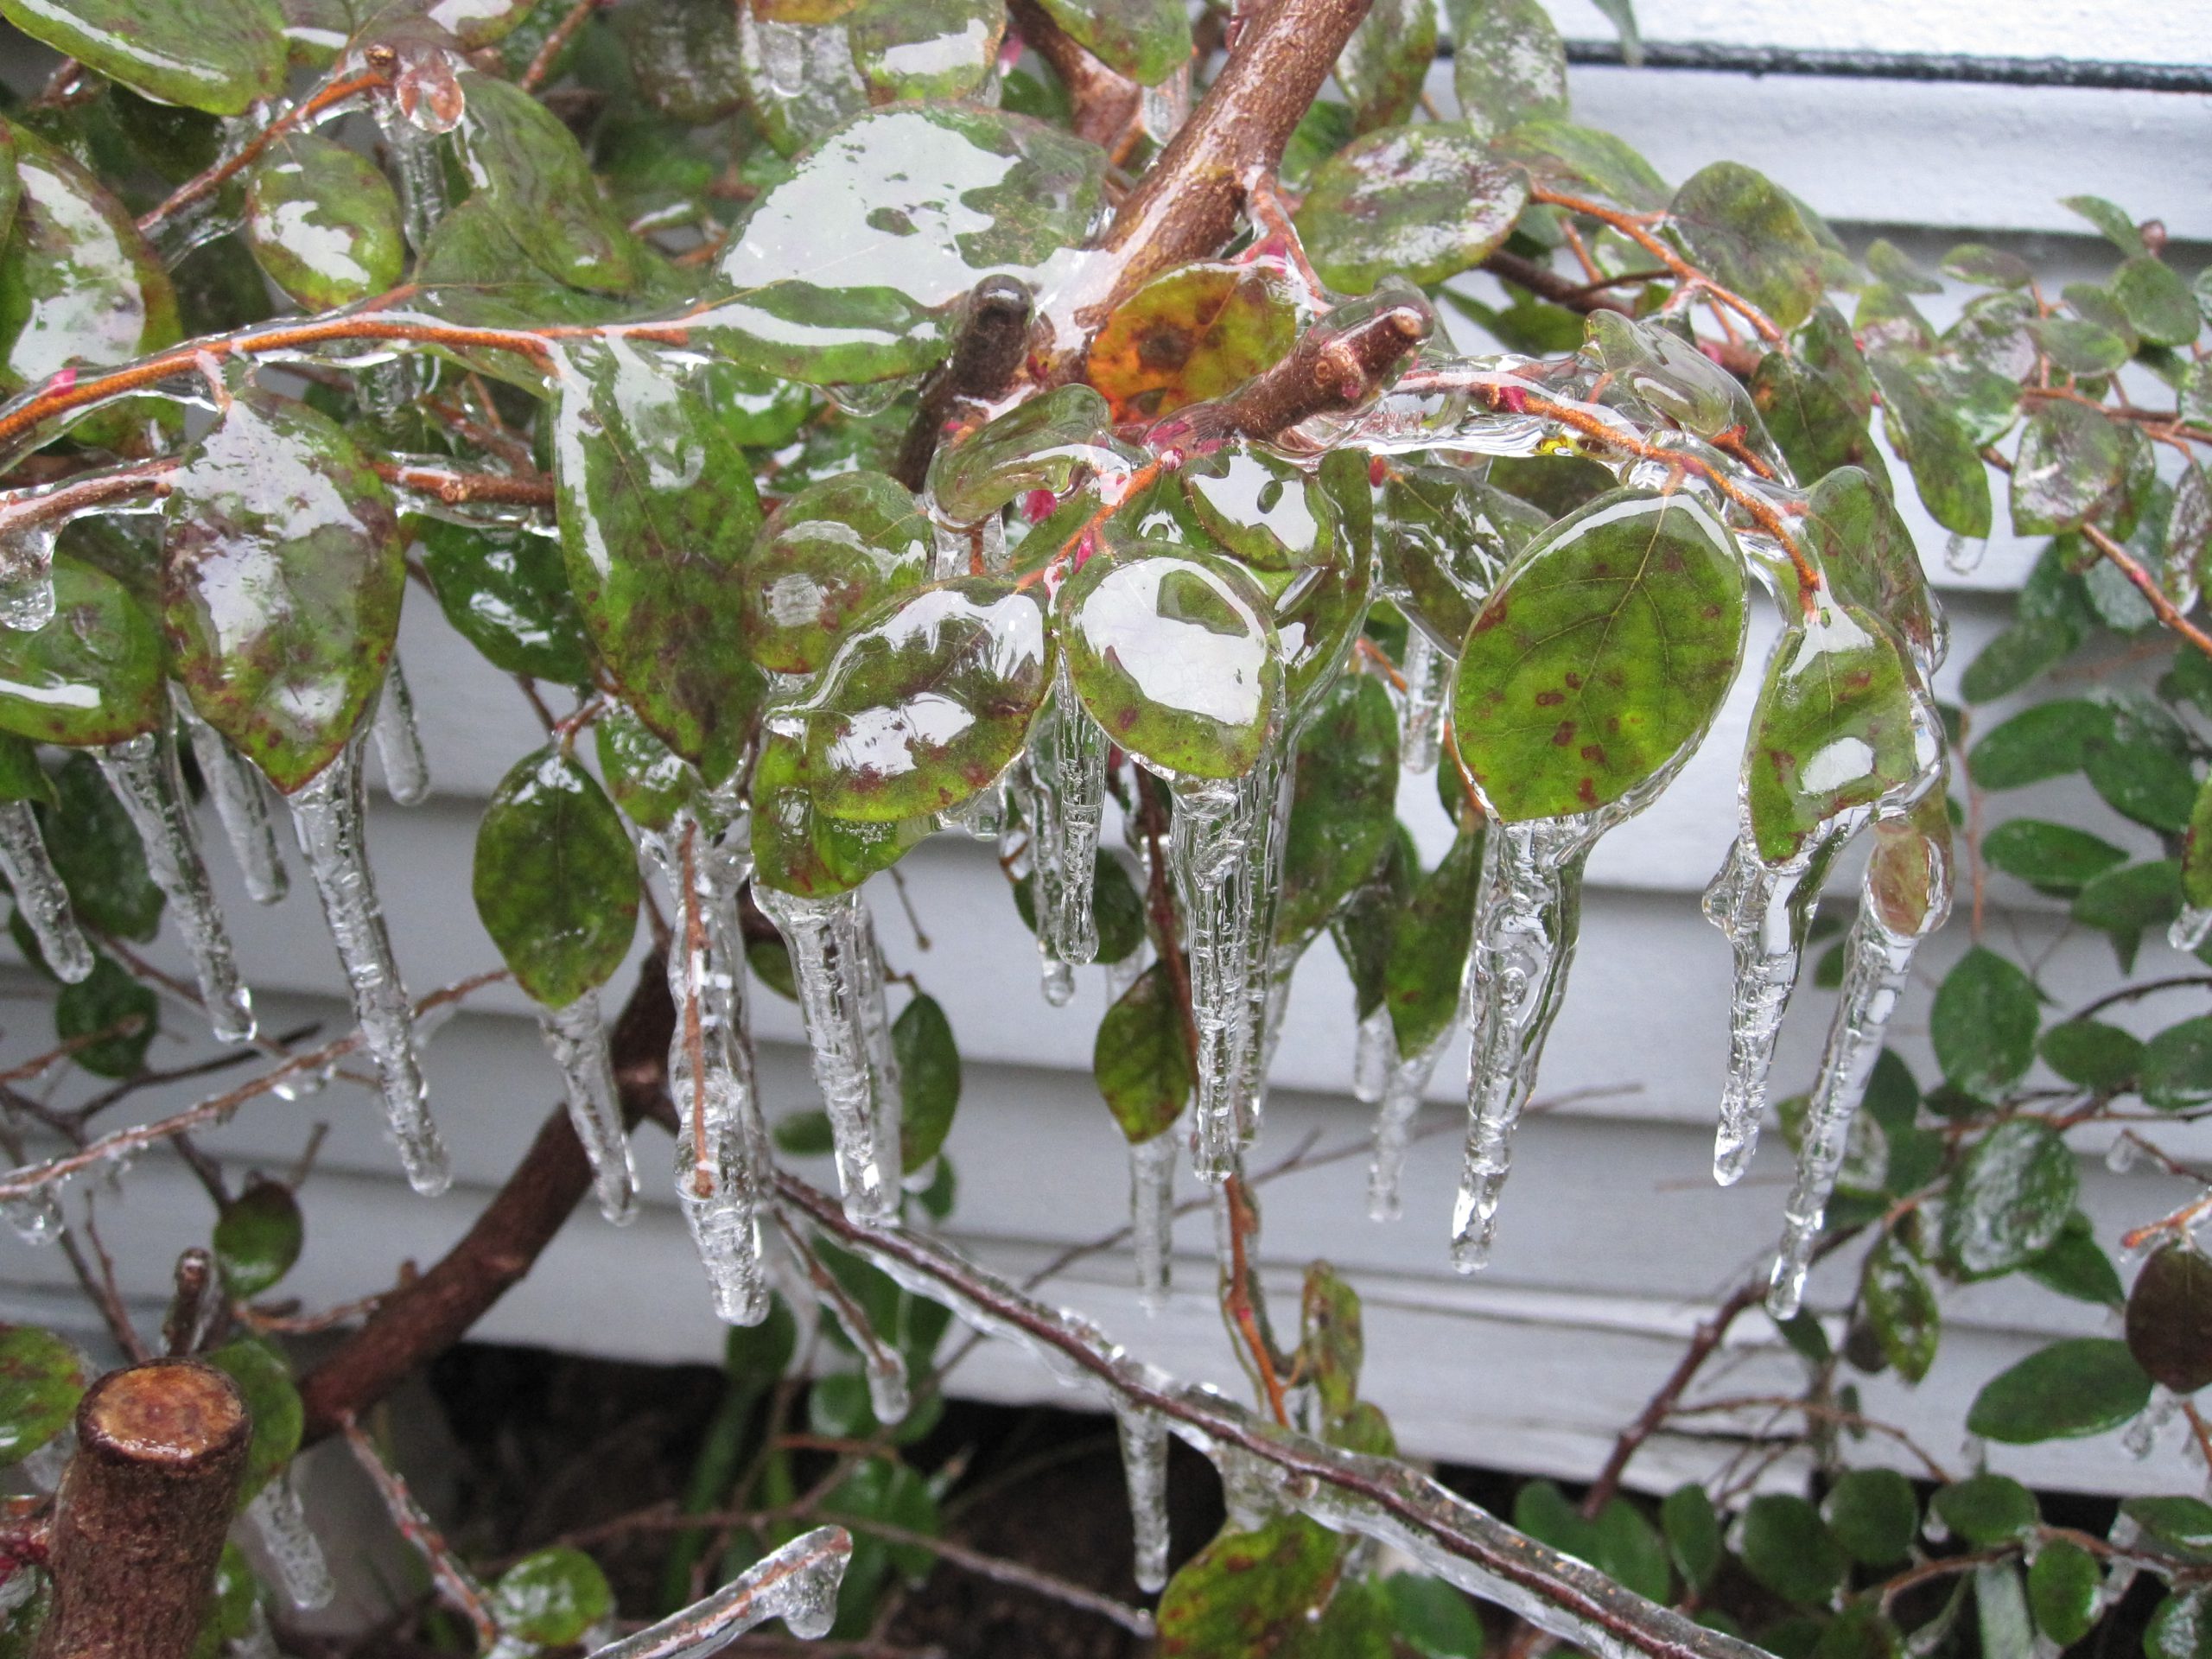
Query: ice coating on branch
1208	853
798	1584
1374	1056
26	573
1079	786
399	746
241	805
1763	910
143	772
577	1038
329	818
1394	1122
1152	1214
1162	110
288	1544
880	1363
833	959
1144	1466
40	898
721	1144
1420	720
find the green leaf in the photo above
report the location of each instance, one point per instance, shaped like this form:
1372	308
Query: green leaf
1447	536
2155	300
1433	1618
1384	65
323	222
799	849
1508	64
2048	740
1987	1510
685	58
1249	1592
1191	334
93	675
42	1379
108	1000
1629	1549
282	574
273	1403
1786	1547
928	1077
1426	202
1693	1532
257	1237
1366	926
2078	348
2064	1583
1810	418
1983	1024
531	174
557	879
2182	1525
1173	655
1330	1344
1747	233
1874	1514
2094	1055
1268	514
2145	776
2196	851
2177	1072
1146	40
1584	160
552	1597
2075	1267
2008	1199
2181	1628
1603	655
505	591
2170	1318
647	780
2080	1387
925	49
1866	553
98	853
1143	1057
1987	267
2056	857
1342	805
657	512
1902	1307
1925	428
2071	463
22	777
825	557
1428	947
217	56
2111	221
2132	898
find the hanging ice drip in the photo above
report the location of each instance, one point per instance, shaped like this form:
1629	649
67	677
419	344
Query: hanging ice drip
241	801
399	746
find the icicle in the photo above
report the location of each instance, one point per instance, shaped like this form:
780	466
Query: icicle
36	1217
828	938
1525	924
329	818
2120	1155
399	746
798	1584
1421	716
577	1040
40	898
1876	963
27	575
2190	928
1162	110
1963	553
2140	1438
294	1553
1079	785
1394	1123
241	805
1144	1466
143	772
1213	825
1375	1057
1152	1214
1267	793
887	1396
420	166
1764	912
1056	978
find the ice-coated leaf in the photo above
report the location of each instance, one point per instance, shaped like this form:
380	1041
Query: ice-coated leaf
798	849
2128	899
2079	1387
1045	443
1342	805
1810	418
1746	232
322	222
1270	514
93	675
925	49
22	777
1852	528
1835	729
2076	345
929	1079
1926	429
2071	464
2177	1071
1874	1514
1385	62
2155	301
1192	335
1786	1547
2091	1053
217	56
1692	1534
1983	1024
1901	1307
96	849
1428	947
2143	769
826	557
116	1013
1604	654
1672	377
2064	1585
1508	64
257	1237
2009	1199
1425	201
265	1378
42	1379
1249	1592
649	781
505	591
2047	741
552	1597
1173	654
282	573
2181	1628
2170	1318
1143	1057
557	879
926	703
2056	857
1446	536
1584	160
2182	1525
657	513
530	172
2076	1266
686	57
1146	40
1319	610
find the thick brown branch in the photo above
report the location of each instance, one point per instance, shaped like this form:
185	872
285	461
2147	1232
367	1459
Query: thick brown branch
1105	101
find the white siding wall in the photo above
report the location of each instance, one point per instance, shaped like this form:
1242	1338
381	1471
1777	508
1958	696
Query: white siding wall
1614	1237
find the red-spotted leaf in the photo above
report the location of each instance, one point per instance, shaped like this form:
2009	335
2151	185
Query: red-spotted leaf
1745	231
322	219
529	170
1190	335
1383	64
1146	40
1508	64
826	557
1425	202
93	675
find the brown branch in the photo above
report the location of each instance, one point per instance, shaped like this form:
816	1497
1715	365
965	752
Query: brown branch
1106	101
1547	284
1637	228
309	109
563	32
141	1512
454	1582
2147	585
984	360
458	488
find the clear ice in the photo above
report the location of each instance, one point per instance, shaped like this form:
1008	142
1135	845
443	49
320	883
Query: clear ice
294	1553
1266	794
399	746
1152	1213
1079	789
833	959
40	898
798	1584
1420	720
1374	1056
27	575
143	772
1394	1122
1144	1466
241	805
329	819
577	1038
2190	928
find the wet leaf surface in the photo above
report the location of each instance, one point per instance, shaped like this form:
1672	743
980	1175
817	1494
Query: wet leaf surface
2082	1386
1143	1057
1193	334
504	589
555	879
93	675
217	56
1424	203
323	222
825	559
